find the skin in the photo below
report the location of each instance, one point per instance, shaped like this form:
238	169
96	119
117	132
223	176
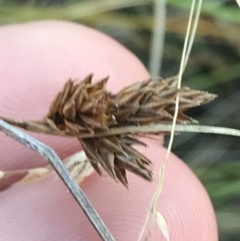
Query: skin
35	61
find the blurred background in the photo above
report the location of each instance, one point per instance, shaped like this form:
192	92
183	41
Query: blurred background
214	65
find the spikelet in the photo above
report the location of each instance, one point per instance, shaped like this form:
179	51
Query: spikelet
116	155
81	107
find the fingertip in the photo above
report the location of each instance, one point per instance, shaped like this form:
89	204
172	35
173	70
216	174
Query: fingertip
53	52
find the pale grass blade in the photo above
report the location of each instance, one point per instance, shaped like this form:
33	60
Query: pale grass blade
162	224
78	166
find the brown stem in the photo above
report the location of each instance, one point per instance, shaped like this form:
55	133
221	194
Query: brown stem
40	127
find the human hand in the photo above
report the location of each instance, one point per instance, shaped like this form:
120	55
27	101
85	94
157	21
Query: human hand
36	59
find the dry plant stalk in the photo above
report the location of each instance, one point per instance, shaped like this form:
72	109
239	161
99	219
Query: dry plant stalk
78	166
85	109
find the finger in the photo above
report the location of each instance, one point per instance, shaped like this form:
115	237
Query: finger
37	59
34	197
46	211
